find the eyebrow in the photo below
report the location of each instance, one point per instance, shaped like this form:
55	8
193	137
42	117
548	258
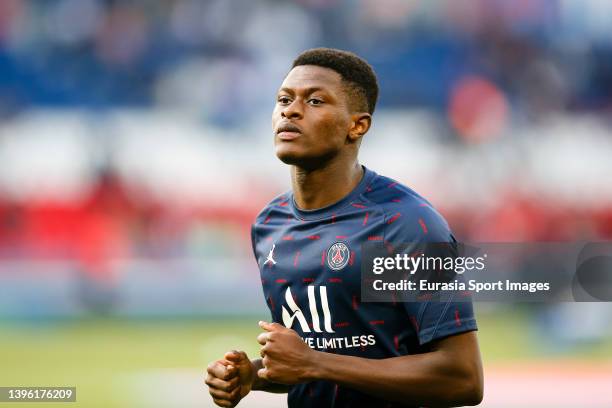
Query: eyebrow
308	91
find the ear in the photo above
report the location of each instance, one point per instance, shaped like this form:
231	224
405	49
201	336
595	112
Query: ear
360	124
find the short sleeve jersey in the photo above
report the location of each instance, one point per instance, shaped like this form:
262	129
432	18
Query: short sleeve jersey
309	263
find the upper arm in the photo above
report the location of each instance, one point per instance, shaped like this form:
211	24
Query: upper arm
426	232
461	354
462	346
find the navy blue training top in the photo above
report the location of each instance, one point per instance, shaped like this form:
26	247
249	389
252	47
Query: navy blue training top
309	263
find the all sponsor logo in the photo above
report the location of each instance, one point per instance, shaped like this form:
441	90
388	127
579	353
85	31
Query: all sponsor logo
295	313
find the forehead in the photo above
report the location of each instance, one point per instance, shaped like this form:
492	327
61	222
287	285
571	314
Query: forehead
305	77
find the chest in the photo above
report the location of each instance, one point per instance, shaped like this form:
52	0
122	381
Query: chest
309	252
314	265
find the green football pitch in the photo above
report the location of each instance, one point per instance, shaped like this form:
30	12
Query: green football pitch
125	363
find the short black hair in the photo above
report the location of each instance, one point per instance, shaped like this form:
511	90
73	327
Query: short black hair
354	70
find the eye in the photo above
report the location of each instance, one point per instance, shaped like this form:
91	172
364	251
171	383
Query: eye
283	100
314	101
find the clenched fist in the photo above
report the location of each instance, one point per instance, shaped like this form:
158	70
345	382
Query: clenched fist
286	358
231	379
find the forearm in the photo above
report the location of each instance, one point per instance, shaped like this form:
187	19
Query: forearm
260	384
423	379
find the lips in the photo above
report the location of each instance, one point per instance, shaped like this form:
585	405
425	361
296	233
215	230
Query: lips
288	131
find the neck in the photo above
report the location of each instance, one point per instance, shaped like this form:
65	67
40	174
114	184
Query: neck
318	188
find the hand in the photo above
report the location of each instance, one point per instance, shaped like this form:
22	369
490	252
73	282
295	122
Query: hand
286	358
231	379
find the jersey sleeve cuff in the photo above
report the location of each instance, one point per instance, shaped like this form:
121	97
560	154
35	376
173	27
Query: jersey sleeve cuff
448	329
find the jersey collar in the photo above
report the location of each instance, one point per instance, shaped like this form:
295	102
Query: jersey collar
332	209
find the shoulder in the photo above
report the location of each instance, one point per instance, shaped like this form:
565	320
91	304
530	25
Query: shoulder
407	215
278	206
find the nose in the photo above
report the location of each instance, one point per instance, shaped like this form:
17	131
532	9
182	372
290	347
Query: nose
293	110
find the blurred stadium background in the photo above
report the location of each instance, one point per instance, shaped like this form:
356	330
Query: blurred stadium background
136	148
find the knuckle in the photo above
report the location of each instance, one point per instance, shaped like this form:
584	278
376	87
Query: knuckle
214	367
220	402
234	394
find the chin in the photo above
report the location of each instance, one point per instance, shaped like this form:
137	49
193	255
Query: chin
289	156
300	159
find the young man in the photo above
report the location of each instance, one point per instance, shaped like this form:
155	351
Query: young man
325	347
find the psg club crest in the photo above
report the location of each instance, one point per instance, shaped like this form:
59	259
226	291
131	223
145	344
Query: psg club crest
338	256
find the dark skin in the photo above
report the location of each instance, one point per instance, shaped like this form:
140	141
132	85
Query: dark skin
317	130
323	156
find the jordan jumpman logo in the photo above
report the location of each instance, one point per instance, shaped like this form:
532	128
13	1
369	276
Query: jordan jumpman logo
269	258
